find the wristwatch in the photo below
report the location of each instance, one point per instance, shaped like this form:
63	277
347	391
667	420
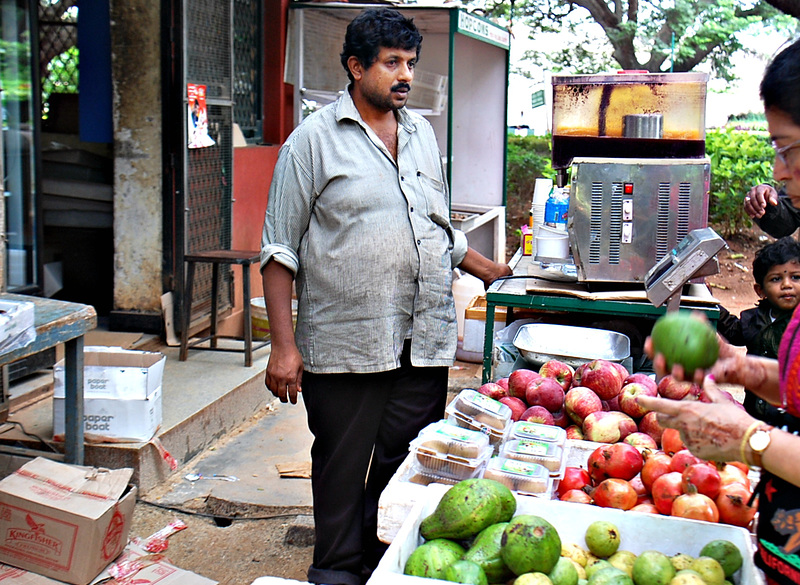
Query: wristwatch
759	442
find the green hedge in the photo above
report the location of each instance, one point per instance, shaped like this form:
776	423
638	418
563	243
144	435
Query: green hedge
739	160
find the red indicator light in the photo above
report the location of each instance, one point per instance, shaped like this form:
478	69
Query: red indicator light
627	188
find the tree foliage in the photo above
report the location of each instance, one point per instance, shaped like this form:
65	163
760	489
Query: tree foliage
651	35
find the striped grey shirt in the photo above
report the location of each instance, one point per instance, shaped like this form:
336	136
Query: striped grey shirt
369	241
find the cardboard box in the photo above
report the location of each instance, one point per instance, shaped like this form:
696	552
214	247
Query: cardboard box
64	521
122	394
639	532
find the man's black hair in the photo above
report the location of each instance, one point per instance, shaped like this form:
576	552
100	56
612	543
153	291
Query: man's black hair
375	28
780	87
774	254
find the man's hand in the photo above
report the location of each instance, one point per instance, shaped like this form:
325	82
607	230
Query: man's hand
757	199
284	373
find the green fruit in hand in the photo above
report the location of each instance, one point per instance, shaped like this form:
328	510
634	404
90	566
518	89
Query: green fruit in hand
727	554
709	570
602	538
685	340
652	568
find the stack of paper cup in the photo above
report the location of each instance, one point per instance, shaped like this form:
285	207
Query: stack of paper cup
541	192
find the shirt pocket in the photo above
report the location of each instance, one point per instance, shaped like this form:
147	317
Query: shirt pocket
435	195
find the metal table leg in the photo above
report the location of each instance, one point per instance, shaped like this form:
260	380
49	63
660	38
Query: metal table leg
73	401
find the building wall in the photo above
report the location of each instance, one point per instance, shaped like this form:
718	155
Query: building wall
136	86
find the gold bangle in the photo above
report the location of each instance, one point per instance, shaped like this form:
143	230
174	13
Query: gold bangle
745	438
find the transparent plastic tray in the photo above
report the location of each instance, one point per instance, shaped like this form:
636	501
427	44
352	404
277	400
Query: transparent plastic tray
520	476
449	439
487	411
548	455
538	432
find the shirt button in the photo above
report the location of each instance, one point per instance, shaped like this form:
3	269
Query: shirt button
411	210
402	178
419	242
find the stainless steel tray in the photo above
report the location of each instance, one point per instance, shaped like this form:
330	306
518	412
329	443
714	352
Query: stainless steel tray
540	342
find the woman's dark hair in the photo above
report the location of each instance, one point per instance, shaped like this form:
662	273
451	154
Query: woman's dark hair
774	254
780	87
375	28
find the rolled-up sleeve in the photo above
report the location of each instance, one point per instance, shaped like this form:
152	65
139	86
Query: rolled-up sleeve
288	210
459	248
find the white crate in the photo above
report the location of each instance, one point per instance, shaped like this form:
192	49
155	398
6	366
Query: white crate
429	80
430	99
639	532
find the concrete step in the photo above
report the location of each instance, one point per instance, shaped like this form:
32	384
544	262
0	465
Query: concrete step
204	398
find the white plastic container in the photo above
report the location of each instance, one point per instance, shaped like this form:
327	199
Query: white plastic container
639	532
465	288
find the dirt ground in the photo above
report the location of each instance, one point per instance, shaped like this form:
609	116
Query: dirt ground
281	546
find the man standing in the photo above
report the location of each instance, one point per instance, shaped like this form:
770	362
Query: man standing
358	214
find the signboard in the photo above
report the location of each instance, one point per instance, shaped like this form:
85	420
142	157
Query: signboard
482	29
537	98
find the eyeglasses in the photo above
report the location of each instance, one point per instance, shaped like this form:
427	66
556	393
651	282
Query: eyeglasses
780	152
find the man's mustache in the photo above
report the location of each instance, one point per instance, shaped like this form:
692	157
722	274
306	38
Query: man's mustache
401	86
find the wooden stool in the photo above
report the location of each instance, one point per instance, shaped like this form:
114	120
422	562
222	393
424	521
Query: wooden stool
243	258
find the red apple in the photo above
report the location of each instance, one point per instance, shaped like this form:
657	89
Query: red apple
628	402
669	387
518	381
575	478
538	414
613	404
492	390
561	419
579	402
603	378
608	427
578	374
503	383
575	433
516	405
640	378
622	370
641	441
545	392
650	425
560	371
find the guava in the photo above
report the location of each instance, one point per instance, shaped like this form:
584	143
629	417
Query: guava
465	572
610	576
535	578
575	552
602	538
623	560
598	565
709	570
652	568
687	577
530	544
727	554
681	561
564	573
685	340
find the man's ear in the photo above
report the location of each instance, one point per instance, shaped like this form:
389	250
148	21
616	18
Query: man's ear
759	290
356	69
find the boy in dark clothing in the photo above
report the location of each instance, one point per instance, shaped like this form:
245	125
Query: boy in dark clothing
776	270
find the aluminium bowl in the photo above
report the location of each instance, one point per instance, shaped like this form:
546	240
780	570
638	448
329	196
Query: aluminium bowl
541	342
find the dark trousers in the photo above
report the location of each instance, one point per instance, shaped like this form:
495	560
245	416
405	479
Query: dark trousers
361	423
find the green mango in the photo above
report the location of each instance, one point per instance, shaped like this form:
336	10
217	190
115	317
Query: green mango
685	340
530	544
485	551
467	508
432	558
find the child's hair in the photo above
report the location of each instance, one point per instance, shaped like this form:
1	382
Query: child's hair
780	252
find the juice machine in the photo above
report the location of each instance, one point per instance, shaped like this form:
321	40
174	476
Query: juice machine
633	148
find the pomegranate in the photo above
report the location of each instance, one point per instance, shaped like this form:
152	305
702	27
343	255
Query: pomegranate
695	506
732	505
617	460
683	459
732	474
579	496
575	478
671	441
641	492
704	478
648	508
656	464
615	493
665	490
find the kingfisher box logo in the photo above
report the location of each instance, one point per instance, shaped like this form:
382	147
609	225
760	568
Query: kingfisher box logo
37	538
33	539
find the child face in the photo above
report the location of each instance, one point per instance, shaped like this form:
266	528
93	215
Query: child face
782	285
